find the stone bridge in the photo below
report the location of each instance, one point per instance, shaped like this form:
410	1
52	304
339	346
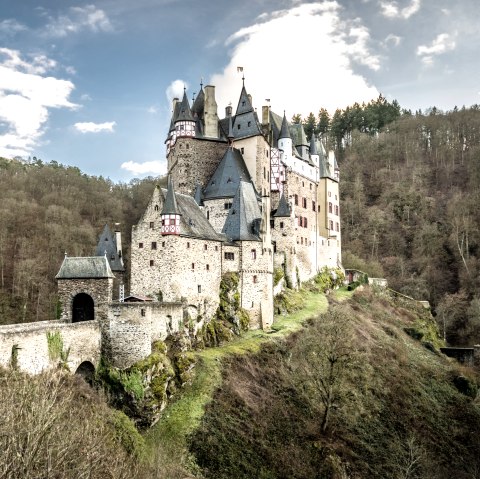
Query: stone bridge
29	340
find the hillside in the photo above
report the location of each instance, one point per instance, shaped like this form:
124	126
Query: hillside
396	408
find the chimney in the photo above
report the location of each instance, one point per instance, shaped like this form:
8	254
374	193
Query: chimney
250	99
174	103
228	110
210	116
265	115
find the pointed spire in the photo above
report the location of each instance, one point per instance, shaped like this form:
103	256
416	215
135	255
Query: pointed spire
313	145
244	104
283	210
284	132
170	206
185	113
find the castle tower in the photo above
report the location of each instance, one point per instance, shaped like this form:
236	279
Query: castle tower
184	122
285	142
170	213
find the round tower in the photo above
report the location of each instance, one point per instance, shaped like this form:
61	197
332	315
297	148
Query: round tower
184	122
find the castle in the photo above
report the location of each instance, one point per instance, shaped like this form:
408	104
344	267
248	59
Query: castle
246	194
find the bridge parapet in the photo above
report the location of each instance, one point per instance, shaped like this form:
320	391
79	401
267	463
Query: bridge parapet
29	340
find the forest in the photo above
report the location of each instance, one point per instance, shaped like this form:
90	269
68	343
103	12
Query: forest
410	185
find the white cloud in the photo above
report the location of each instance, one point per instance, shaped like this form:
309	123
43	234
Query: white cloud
25	98
392	10
152	109
78	19
175	89
90	127
10	26
301	59
392	39
441	44
158	167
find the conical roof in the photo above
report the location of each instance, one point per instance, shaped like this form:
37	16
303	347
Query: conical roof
283	210
184	112
170	205
284	131
199	104
226	178
198	194
244	215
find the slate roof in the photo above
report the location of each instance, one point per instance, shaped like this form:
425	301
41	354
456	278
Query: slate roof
95	267
244	104
283	210
244	217
199	104
226	178
107	245
313	145
284	131
170	204
184	113
192	220
298	135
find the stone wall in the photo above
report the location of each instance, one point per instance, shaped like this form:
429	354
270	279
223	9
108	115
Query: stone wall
217	213
100	290
192	161
256	283
181	268
83	340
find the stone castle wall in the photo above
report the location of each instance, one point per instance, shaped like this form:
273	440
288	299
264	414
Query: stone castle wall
256	283
99	289
217	213
193	161
83	340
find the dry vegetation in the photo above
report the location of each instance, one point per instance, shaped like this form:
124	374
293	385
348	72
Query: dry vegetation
55	426
396	411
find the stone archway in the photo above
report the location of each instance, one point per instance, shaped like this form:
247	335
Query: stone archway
83	308
87	371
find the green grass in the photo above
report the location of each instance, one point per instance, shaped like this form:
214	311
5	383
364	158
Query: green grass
342	294
167	440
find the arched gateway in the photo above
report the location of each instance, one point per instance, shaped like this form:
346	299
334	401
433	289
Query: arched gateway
83	308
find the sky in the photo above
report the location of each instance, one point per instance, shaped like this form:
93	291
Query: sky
90	84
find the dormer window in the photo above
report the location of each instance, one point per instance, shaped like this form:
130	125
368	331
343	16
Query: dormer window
238	126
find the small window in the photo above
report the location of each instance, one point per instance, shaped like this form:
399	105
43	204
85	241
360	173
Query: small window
249	123
313	206
143	312
151	224
208	215
319	208
229	256
254	254
281	224
301	240
310	186
300	221
337	227
140	245
188	245
227	205
154	245
305	223
205	247
331	225
163	244
296	200
329	193
199	288
336	210
208	267
304	202
255	279
330	207
303	183
193	266
242	150
238	126
156	207
216	247
152	262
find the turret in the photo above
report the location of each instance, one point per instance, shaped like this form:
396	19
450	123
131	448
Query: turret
170	213
314	151
285	141
184	121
